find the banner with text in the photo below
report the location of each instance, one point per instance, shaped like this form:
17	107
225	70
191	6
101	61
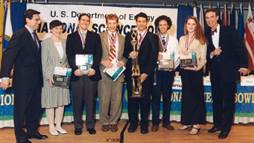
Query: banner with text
68	14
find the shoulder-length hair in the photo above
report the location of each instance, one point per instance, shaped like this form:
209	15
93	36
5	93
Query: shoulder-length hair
198	33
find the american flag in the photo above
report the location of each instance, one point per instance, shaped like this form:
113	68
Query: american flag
249	37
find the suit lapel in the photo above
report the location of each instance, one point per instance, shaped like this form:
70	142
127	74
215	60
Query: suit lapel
64	49
143	41
79	41
221	36
30	38
120	42
87	40
105	41
210	41
53	49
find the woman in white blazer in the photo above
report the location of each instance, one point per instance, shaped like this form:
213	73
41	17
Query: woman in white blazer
54	98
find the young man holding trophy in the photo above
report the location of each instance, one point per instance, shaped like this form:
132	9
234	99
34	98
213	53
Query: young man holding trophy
83	49
168	60
112	66
141	52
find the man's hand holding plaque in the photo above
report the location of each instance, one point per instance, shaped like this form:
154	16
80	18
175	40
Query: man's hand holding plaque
84	63
106	63
166	61
115	69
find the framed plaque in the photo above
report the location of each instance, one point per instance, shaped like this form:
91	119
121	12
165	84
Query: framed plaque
84	62
62	77
166	63
189	60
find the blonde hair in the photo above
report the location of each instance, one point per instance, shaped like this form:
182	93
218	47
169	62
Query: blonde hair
111	17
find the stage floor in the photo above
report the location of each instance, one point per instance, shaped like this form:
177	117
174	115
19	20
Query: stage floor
239	134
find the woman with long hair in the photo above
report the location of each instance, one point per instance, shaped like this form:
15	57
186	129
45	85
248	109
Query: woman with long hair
193	105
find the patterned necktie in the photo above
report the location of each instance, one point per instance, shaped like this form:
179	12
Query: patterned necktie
164	43
112	50
140	38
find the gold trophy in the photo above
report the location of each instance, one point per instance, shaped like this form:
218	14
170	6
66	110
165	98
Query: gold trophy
136	75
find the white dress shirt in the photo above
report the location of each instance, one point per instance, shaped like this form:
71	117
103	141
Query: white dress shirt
83	34
172	47
143	34
216	37
59	48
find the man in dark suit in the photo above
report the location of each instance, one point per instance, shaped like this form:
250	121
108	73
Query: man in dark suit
24	54
147	46
84	86
227	59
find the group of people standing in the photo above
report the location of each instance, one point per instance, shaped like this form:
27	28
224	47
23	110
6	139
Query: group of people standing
220	50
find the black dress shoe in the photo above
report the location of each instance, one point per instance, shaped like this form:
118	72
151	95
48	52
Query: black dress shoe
223	135
155	128
214	129
37	135
24	141
78	131
169	127
91	131
132	128
144	130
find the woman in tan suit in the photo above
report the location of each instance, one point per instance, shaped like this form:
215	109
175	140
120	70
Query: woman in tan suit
110	92
54	98
193	104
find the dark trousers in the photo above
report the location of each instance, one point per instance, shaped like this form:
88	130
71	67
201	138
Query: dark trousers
163	86
84	94
27	110
193	99
223	95
139	104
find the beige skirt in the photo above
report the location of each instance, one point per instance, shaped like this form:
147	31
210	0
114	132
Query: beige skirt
54	97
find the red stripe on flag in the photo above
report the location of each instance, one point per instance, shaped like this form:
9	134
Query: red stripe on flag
249	39
250	45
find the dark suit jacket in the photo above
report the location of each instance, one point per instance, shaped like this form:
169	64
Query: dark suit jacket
25	56
147	57
92	46
233	56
